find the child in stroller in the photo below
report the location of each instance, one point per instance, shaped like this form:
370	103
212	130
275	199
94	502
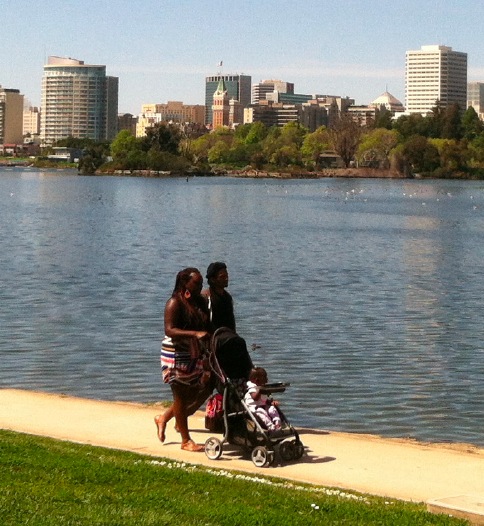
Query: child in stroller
264	407
232	367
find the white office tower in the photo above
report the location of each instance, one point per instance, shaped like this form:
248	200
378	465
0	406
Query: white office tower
78	100
435	75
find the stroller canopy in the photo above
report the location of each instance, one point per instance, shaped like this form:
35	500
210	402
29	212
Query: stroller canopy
231	353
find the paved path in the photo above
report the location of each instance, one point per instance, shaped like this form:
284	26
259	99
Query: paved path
450	476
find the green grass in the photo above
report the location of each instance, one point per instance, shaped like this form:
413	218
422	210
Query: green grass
47	482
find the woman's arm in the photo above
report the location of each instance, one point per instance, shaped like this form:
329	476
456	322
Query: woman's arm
172	310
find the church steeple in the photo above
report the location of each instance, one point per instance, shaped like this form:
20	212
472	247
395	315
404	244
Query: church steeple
221	106
221	87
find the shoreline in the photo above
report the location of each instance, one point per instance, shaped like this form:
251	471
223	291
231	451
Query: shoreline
398	468
326	173
366	173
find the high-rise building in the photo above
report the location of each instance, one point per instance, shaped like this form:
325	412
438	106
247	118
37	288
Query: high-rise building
475	97
238	87
11	116
435	75
78	100
127	121
261	90
31	121
220	106
272	113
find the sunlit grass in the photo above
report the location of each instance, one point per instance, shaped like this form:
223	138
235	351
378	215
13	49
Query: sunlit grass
52	483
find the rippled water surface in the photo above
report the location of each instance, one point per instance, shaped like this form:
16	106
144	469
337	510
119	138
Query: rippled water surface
366	295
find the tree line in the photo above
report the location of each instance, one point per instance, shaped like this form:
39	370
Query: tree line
445	143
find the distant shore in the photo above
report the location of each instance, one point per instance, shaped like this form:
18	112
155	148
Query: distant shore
372	173
368	173
249	173
11	162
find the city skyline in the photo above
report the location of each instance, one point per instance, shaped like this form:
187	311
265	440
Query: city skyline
164	50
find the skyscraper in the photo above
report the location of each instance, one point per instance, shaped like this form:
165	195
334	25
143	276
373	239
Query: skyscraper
265	87
11	116
435	75
475	97
78	100
238	87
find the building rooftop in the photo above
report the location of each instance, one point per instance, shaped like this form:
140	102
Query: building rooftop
389	101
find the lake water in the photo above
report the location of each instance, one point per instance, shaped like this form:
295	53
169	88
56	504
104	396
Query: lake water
366	295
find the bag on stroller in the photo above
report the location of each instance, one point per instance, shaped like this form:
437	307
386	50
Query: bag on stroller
214	414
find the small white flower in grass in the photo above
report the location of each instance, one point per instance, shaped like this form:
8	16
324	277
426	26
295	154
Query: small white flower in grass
267	482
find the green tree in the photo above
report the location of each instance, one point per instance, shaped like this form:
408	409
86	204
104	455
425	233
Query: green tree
375	147
92	158
451	122
414	124
293	133
422	156
345	137
162	137
314	144
201	146
472	126
218	153
122	142
239	154
282	145
188	133
286	155
443	122
383	118
476	151
257	133
453	154
166	161
127	152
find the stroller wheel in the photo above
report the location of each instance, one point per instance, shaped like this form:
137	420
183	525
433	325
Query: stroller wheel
262	457
287	451
213	448
298	449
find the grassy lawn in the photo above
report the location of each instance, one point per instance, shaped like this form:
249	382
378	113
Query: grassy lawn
47	482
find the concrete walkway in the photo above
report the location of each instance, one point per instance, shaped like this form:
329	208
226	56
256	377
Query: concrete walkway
449	478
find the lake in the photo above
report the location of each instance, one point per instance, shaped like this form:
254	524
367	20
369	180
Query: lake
364	294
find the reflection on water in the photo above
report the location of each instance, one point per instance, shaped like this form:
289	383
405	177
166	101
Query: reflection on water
364	294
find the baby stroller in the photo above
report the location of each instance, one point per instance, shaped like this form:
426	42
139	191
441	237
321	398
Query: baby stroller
231	364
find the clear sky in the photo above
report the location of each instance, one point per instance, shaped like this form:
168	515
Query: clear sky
163	49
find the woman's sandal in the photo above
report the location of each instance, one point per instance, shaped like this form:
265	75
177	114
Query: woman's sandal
160	427
191	446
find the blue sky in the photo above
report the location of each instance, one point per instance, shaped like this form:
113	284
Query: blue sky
163	49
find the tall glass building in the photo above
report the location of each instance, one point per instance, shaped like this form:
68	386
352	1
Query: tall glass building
78	100
475	97
238	87
435	75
